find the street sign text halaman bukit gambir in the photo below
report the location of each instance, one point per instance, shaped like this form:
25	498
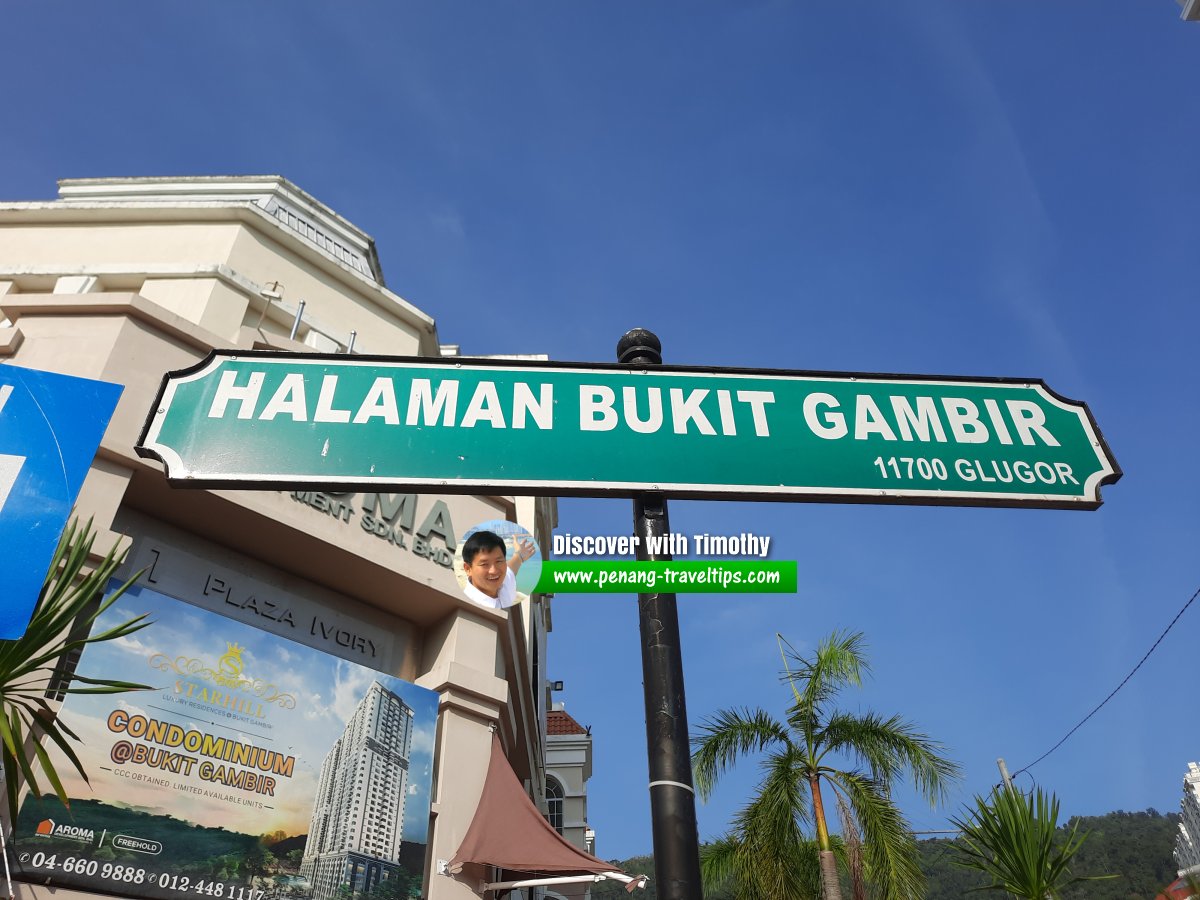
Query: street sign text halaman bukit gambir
280	419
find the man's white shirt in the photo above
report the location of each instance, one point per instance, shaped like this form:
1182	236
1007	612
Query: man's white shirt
506	597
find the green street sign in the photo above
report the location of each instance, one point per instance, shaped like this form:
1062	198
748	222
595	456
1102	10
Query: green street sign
265	419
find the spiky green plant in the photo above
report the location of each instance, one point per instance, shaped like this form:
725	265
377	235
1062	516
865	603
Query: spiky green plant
857	756
1011	837
62	621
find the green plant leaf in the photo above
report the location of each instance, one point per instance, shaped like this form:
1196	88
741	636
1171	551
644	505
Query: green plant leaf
1012	838
62	622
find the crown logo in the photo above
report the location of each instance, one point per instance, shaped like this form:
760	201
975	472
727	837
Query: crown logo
230	662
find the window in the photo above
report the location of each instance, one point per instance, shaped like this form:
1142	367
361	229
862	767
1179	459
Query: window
554	804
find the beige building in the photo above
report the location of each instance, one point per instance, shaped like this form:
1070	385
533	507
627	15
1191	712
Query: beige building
123	280
568	768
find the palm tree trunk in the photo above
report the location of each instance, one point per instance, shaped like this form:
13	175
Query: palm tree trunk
831	886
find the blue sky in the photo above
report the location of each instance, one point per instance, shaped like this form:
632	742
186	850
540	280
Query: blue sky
943	188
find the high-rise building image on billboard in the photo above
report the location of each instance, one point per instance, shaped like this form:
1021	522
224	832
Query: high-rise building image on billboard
357	823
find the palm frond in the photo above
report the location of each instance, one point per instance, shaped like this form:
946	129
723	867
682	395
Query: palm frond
890	848
719	864
735	864
781	804
62	622
727	735
767	855
839	662
854	849
890	748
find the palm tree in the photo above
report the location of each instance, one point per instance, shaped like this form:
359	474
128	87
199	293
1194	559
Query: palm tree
61	624
859	757
1011	837
750	870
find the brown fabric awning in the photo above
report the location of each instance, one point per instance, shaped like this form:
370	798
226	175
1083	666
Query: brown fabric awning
509	832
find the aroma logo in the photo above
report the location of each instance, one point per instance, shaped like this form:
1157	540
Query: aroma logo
50	828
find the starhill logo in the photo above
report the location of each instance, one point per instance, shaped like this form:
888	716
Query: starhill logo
50	828
228	674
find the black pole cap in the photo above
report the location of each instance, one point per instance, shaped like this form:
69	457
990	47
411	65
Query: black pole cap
639	346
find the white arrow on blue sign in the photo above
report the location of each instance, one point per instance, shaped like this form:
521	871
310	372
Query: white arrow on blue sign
50	427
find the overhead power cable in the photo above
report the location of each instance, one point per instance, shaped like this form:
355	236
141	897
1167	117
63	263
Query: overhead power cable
1099	707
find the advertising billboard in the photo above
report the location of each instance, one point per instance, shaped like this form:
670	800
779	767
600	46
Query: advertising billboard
256	768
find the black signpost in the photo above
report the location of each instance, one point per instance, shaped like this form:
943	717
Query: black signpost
672	796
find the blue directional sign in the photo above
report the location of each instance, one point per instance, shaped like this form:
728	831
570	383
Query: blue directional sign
50	427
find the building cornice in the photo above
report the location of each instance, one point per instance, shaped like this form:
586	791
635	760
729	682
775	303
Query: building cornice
265	191
279	310
245	212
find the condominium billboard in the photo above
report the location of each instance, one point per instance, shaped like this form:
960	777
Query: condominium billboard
256	768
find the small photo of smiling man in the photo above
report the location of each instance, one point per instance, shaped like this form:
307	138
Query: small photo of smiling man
492	555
